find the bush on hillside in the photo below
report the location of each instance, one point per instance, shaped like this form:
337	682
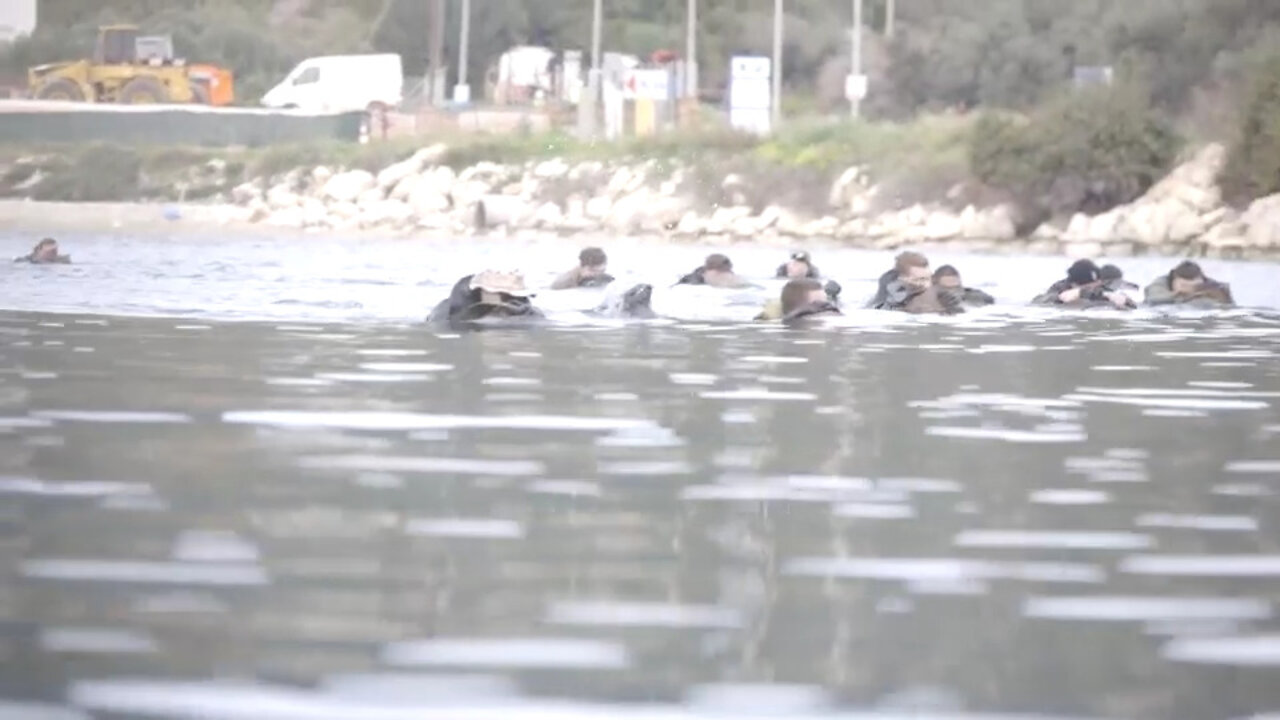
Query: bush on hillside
1087	151
1252	169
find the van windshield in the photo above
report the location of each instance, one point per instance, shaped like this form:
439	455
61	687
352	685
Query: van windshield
307	76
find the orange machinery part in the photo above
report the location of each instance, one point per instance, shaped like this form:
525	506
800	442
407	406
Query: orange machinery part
220	83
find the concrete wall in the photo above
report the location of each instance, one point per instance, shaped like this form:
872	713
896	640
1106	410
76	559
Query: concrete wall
17	17
30	122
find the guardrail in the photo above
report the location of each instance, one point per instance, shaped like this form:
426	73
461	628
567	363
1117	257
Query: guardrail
44	121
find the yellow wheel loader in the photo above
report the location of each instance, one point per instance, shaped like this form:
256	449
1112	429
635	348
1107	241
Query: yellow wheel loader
133	69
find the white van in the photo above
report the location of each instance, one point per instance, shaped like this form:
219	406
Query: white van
340	83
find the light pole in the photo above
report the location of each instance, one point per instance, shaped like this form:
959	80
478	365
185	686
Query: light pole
597	20
691	50
594	76
437	51
463	92
888	18
777	64
855	60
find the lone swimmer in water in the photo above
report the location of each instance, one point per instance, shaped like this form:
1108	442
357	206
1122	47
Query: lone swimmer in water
1187	284
804	298
491	294
799	265
44	253
716	271
947	280
912	290
590	272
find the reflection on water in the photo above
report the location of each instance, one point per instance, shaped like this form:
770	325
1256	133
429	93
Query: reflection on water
1040	517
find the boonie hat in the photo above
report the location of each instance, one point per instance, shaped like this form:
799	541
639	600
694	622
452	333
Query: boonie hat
498	281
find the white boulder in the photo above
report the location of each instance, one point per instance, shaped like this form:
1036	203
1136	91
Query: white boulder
244	192
286	217
426	200
548	215
346	187
552	169
597	208
940	225
281	196
390	213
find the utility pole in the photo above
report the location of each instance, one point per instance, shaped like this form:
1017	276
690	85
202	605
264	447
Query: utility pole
464	39
435	49
594	77
777	64
691	50
855	59
888	18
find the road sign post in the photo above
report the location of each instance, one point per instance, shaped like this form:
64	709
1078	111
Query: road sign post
750	93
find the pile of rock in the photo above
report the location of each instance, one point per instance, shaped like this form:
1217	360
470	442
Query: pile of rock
1182	213
421	193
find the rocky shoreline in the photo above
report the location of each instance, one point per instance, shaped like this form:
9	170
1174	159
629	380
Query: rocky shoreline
1181	215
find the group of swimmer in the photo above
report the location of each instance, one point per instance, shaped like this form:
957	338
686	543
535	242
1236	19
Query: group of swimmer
909	286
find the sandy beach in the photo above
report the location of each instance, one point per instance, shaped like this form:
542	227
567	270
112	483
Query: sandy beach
35	217
31	217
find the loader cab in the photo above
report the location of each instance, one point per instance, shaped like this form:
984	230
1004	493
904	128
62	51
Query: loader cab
117	45
156	50
122	45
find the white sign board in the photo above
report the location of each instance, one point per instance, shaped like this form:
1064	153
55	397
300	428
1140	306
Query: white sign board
855	87
647	84
750	93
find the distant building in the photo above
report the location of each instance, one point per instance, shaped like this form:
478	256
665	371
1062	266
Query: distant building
17	18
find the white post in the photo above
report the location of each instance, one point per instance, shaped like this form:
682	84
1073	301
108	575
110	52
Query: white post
462	92
438	74
888	18
855	60
691	51
777	64
594	77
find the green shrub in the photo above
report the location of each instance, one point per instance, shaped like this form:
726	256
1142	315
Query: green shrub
1252	169
98	173
1086	151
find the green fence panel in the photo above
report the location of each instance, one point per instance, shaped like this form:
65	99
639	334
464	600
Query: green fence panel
162	126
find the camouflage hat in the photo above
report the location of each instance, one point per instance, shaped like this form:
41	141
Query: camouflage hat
498	281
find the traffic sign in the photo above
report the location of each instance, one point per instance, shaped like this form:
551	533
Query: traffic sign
855	87
749	66
647	84
750	93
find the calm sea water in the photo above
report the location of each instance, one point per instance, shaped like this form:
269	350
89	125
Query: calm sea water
321	510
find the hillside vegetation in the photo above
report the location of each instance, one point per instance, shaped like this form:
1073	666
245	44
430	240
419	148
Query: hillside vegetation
943	53
1185	70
